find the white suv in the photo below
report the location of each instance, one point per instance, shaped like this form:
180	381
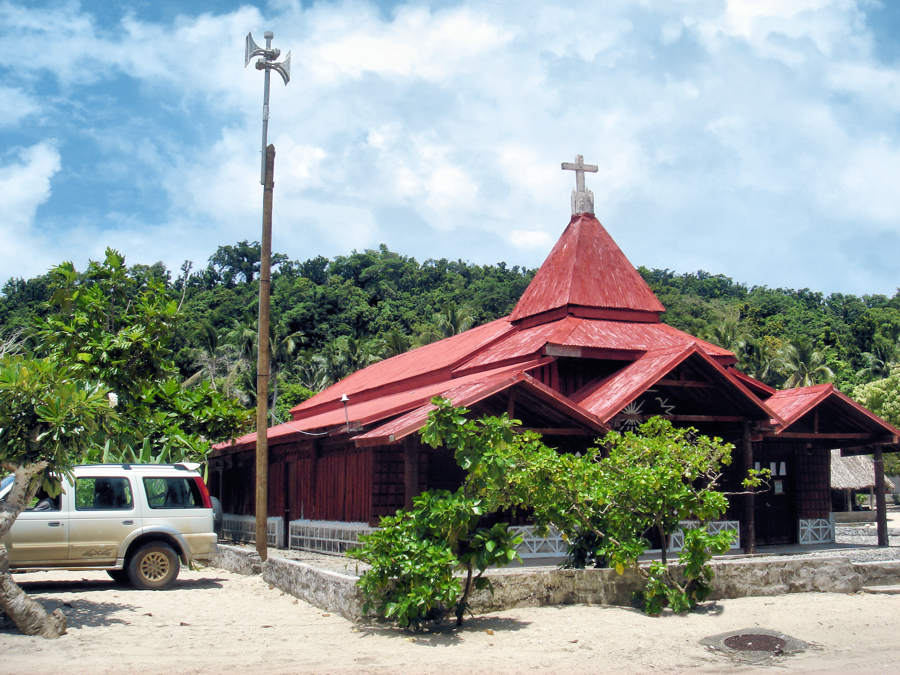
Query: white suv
133	520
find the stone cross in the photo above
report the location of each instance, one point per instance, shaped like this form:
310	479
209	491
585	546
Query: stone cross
582	199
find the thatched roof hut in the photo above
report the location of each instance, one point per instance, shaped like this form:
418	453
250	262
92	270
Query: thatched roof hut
854	473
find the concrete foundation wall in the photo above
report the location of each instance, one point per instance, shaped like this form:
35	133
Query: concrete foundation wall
331	591
338	593
237	560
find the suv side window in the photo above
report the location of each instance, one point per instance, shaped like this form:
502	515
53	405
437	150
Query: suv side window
103	494
173	493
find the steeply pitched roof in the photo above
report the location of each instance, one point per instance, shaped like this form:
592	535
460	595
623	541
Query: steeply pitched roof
420	367
362	412
792	404
839	413
586	274
467	394
593	338
609	397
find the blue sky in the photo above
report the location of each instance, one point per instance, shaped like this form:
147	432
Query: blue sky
755	138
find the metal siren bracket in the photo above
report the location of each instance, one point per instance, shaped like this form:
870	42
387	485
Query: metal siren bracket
269	55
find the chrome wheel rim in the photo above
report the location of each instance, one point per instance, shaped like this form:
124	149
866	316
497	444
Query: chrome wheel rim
155	566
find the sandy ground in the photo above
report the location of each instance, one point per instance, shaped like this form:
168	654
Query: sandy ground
217	622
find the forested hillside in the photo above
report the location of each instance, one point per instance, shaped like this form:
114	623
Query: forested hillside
333	316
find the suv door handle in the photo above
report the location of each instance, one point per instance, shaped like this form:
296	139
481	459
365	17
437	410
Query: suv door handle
128	522
54	523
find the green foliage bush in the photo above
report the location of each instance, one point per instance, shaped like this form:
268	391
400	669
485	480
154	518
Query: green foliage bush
603	502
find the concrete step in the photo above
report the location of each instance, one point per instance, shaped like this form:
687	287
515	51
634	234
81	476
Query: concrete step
884	590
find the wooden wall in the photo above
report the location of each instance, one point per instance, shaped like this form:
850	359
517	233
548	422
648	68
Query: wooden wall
388	479
337	485
813	483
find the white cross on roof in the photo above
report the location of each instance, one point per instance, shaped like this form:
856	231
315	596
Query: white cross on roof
582	198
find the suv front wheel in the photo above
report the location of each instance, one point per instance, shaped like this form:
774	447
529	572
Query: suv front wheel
153	566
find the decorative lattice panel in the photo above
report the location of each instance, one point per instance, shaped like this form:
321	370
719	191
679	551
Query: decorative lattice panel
242	529
533	546
816	531
676	540
326	537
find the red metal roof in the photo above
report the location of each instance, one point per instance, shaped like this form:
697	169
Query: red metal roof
619	389
608	397
610	336
760	389
362	412
415	368
469	394
792	404
586	269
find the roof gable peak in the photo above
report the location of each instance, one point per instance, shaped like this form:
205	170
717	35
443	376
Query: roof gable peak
586	274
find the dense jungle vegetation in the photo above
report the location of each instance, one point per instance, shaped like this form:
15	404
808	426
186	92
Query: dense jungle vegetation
331	317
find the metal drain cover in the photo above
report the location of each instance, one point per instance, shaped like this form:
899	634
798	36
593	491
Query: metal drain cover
754	645
755	642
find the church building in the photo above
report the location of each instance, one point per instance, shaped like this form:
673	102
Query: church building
583	352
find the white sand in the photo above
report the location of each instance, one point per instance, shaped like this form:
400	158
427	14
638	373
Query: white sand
217	622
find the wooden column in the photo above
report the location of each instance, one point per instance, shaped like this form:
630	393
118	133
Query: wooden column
410	470
262	363
748	522
880	505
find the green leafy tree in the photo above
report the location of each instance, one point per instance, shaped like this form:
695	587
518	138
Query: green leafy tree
882	397
651	479
49	418
804	364
415	554
114	330
729	334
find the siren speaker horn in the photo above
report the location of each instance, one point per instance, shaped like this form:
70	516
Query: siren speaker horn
251	49
284	68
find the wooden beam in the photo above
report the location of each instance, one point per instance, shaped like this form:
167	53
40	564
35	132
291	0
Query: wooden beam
511	405
805	435
685	383
560	432
410	470
748	529
689	418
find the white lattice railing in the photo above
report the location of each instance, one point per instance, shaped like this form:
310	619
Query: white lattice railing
533	546
243	529
327	537
676	539
817	531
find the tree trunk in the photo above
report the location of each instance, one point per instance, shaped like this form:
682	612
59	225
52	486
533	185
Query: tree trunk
662	543
29	616
464	600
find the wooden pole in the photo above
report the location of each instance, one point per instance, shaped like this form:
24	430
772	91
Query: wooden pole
262	363
748	531
410	471
880	504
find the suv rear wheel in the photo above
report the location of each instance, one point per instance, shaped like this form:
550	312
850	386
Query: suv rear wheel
119	576
153	566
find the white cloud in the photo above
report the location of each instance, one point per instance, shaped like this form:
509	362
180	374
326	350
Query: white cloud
24	186
715	125
352	40
526	239
16	105
786	30
865	185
